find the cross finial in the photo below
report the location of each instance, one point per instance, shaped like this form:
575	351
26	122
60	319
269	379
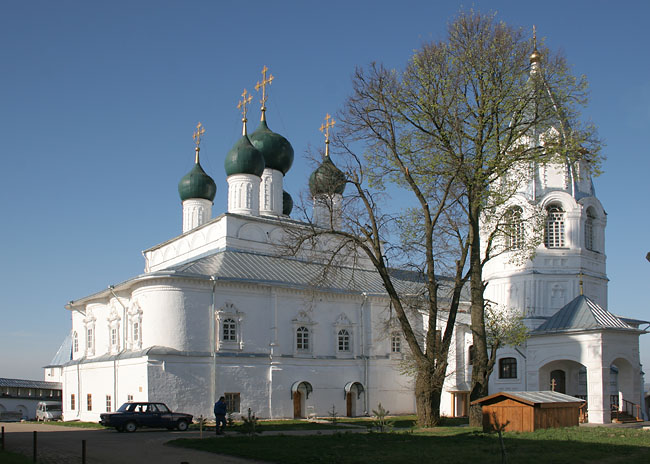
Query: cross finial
553	384
580	282
265	81
246	99
534	37
325	129
200	130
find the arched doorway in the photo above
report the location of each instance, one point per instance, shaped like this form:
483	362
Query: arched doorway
558	381
564	376
353	392
299	394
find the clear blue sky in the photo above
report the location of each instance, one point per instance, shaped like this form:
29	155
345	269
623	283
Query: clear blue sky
98	101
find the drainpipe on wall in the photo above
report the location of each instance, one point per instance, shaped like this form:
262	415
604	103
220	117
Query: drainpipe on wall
213	342
364	355
274	339
78	405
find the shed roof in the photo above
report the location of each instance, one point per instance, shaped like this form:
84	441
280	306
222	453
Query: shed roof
21	383
546	398
582	313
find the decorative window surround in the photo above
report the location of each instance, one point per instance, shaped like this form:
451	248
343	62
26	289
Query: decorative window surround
135	326
113	332
303	326
344	337
508	369
89	324
229	328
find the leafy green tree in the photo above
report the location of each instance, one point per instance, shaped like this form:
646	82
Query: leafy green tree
454	135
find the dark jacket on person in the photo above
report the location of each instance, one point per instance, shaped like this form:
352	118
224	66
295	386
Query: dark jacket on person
220	408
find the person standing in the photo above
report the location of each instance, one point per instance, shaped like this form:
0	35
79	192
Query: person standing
220	415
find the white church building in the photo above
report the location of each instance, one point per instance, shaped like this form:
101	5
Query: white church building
219	310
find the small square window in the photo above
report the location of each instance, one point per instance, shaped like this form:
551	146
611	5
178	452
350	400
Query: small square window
232	402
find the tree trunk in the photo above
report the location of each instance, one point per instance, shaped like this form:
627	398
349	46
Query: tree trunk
428	390
480	372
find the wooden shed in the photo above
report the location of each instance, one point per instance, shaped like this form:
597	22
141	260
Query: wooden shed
529	411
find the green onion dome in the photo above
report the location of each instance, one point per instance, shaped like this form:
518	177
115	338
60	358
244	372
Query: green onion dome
197	184
244	158
277	151
326	179
287	203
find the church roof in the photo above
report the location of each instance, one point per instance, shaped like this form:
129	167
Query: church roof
64	354
582	314
259	268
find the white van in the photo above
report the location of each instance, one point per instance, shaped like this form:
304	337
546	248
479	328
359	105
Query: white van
48	410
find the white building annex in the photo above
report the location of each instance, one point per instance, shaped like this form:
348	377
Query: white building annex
218	310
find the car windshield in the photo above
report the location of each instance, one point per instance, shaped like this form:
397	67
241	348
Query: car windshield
126	407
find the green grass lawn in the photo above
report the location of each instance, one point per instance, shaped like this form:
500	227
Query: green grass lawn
441	444
83	425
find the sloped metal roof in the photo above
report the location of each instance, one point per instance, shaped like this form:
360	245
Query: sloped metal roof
21	383
582	314
533	397
253	267
64	354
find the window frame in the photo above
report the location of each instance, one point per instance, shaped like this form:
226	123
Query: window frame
589	235
508	368
233	402
515	228
343	341
73	402
303	342
396	343
89	402
109	403
555	227
229	314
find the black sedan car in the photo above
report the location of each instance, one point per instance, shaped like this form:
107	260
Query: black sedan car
130	416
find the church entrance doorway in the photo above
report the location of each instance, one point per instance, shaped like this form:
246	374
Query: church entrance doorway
558	381
297	405
353	392
299	394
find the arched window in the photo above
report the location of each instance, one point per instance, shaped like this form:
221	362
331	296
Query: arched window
75	342
554	231
344	340
229	330
470	355
589	230
514	228
395	343
302	339
507	368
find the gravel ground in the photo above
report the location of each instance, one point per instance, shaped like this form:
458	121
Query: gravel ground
62	445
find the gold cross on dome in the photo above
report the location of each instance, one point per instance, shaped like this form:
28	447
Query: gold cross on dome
534	37
325	127
246	99
265	81
200	130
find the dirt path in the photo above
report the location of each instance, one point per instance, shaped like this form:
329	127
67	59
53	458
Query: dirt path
62	445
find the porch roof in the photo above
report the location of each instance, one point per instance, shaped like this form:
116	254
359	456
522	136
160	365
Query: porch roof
582	313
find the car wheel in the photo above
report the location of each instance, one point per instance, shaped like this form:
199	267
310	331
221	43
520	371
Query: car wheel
182	425
130	427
